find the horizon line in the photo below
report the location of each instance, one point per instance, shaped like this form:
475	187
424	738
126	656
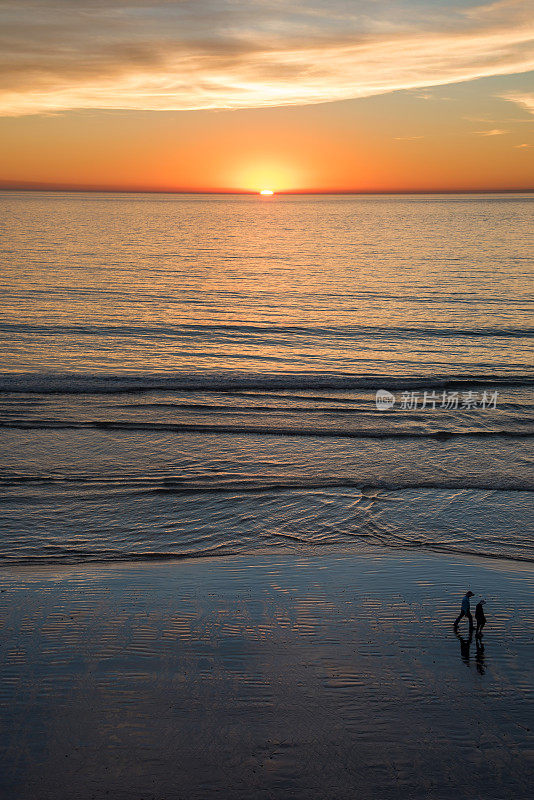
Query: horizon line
30	186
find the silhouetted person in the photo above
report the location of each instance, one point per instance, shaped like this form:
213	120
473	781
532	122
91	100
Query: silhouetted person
480	618
465	611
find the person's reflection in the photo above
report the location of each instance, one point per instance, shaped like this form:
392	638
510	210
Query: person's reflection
479	658
465	645
465	652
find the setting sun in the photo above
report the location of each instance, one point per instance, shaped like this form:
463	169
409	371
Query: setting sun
267	191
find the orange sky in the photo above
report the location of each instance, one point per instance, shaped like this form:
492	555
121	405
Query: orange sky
425	97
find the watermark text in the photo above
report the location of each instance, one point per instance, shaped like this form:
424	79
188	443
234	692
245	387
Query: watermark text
433	401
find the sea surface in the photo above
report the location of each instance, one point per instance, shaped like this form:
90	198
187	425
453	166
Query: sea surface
192	375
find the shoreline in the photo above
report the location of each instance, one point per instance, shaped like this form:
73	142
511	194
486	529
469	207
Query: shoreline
335	674
297	551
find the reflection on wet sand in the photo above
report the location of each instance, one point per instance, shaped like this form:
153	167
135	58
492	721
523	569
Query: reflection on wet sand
272	677
465	647
480	657
465	651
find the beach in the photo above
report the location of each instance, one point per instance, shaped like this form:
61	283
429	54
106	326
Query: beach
266	400
288	674
227	571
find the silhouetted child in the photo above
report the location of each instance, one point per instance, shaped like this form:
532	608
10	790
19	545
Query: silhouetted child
465	611
480	618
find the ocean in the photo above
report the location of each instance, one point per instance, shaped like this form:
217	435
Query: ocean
196	375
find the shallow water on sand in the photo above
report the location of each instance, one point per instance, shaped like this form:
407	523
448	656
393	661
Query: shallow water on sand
337	675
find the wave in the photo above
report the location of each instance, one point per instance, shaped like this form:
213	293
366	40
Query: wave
76	383
463	551
361	405
185	486
269	331
262	430
75	556
59	555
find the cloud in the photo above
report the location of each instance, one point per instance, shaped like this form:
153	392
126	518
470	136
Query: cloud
522	146
217	54
524	100
494	132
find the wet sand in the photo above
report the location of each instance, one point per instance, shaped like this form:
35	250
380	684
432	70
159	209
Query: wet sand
331	675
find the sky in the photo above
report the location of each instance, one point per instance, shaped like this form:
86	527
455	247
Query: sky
243	95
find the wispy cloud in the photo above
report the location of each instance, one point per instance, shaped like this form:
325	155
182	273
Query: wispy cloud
215	54
494	132
524	100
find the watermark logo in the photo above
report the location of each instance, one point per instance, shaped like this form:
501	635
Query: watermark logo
432	401
384	400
